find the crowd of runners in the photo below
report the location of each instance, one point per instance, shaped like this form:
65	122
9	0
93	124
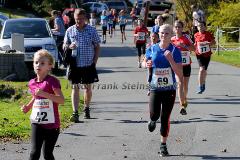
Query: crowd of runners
167	56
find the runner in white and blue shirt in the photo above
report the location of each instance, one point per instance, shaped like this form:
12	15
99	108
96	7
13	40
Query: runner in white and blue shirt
104	23
166	62
110	23
122	20
165	80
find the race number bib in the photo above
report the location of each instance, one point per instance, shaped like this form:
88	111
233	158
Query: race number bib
104	22
203	48
162	77
122	21
42	112
185	57
110	21
141	36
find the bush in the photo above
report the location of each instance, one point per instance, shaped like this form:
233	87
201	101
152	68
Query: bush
225	15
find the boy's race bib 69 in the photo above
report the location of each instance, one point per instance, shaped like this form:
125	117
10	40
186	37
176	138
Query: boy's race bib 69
141	36
162	77
42	112
185	57
203	48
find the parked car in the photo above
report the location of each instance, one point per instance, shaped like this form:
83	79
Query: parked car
158	7
37	35
96	7
118	5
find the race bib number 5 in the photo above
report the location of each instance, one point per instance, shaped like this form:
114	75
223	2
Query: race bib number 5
42	112
162	77
185	57
203	47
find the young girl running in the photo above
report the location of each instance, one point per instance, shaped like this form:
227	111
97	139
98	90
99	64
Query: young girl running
110	23
115	19
154	40
104	21
166	62
140	34
46	95
122	19
185	44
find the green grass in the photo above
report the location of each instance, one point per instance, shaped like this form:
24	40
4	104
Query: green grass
15	125
228	57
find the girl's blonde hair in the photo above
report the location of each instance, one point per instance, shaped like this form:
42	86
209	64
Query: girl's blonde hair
167	27
45	53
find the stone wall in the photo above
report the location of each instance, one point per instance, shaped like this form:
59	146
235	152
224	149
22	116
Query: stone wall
12	63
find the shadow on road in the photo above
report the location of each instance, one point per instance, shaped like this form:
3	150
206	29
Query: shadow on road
117	52
208	157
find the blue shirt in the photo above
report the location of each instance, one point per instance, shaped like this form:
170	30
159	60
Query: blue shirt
86	39
104	21
160	62
59	22
155	29
110	19
122	20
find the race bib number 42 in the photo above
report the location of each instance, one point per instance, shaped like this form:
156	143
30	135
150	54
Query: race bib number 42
42	112
162	77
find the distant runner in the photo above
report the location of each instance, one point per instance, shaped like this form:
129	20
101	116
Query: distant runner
203	42
185	44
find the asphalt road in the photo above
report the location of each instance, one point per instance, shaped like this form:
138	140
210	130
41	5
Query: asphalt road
118	128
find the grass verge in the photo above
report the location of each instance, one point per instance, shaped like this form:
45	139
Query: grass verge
15	125
228	57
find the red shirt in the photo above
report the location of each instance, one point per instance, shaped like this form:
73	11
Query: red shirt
142	32
202	41
185	41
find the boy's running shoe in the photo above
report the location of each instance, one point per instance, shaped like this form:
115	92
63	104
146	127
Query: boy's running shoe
139	65
87	113
201	89
74	117
183	111
163	150
151	126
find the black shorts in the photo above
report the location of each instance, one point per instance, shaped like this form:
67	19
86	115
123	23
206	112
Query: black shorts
186	70
122	28
82	75
114	24
141	47
203	61
104	29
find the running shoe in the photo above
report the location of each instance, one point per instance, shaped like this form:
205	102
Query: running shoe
74	117
163	150
139	65
87	113
183	111
151	126
203	87
199	90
